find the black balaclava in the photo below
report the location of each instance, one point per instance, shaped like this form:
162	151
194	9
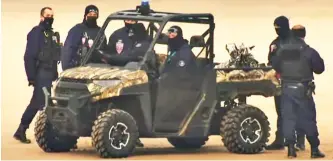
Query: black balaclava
299	31
282	28
129	26
91	21
47	23
140	33
177	42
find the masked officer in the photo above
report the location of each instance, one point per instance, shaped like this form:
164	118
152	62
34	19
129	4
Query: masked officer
140	40
300	32
80	38
180	55
40	60
296	62
281	25
122	40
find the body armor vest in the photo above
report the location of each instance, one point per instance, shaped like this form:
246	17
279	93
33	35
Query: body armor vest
49	56
87	40
294	65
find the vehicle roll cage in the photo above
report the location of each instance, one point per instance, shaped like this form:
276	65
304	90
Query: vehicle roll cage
162	18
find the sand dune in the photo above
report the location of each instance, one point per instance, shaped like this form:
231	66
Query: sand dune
248	21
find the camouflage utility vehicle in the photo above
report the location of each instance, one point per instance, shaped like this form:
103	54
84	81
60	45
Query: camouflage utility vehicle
118	104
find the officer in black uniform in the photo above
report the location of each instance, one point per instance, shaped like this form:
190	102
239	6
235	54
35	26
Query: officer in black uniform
281	25
296	62
300	32
123	39
40	59
80	38
180	56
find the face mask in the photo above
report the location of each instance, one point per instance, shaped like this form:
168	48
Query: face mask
48	21
282	32
92	21
128	25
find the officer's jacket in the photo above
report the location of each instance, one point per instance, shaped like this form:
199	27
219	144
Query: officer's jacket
42	50
182	61
120	42
78	36
310	59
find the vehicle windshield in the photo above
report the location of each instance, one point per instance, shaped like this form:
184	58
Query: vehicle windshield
124	43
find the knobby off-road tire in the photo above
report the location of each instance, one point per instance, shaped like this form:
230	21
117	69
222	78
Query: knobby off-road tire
188	143
110	127
48	138
234	130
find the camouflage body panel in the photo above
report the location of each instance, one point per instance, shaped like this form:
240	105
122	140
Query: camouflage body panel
126	78
254	75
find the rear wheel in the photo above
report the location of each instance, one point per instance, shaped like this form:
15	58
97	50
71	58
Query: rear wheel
188	143
48	138
245	129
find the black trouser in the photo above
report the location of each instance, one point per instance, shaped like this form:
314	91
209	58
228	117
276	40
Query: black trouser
44	78
279	131
298	112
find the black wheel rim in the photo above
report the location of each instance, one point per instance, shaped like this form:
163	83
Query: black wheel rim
250	130
119	136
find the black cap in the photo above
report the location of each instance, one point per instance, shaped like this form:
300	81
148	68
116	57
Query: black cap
90	8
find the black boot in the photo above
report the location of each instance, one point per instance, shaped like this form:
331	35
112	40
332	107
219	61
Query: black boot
291	151
21	136
278	143
139	143
300	145
315	153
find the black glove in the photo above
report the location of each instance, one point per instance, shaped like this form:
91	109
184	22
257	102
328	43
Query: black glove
31	83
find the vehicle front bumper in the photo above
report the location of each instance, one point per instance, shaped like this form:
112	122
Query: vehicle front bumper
65	117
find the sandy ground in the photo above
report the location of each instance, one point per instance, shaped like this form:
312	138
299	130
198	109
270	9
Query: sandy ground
245	21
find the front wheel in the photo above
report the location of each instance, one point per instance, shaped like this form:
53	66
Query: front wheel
49	140
245	129
114	134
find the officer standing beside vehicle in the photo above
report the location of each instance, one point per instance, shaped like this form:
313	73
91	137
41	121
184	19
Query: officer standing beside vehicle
40	60
300	32
296	62
80	38
281	25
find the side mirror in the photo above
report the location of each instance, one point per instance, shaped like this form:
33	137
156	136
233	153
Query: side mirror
197	41
163	39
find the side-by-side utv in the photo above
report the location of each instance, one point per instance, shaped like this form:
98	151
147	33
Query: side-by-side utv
118	104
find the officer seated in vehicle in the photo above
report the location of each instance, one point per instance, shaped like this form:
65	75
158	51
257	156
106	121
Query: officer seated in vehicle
123	53
180	55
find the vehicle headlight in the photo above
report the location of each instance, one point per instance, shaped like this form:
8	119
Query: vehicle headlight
107	83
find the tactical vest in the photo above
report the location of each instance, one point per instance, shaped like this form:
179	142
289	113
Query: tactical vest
50	53
87	40
294	65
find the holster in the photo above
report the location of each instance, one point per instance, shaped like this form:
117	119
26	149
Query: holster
311	89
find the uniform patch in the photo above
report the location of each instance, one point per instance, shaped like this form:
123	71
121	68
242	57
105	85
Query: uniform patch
138	45
181	63
119	46
83	40
90	42
54	38
273	47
